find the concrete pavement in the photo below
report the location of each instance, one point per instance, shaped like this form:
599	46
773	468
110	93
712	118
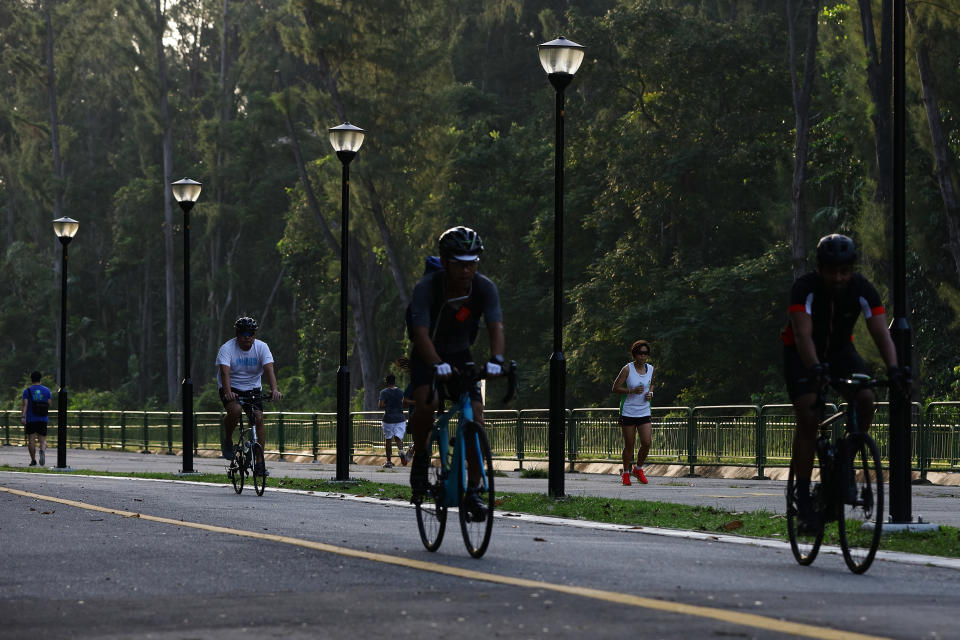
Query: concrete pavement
936	503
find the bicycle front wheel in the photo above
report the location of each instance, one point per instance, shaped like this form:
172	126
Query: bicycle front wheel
805	547
861	515
237	465
476	513
432	507
259	469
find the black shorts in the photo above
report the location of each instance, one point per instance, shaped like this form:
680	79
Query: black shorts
630	421
843	364
39	427
421	373
255	395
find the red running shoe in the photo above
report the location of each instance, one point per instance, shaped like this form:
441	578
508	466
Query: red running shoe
637	471
626	478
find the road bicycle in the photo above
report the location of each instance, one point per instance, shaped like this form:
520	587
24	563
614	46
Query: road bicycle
850	490
447	474
248	457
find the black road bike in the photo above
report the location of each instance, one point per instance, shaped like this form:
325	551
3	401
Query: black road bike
248	459
850	490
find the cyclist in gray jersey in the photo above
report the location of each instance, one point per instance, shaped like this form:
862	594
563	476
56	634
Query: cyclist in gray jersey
443	321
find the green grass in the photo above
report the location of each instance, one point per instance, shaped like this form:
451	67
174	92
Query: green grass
638	513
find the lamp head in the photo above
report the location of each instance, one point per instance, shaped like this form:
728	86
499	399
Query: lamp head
186	192
346	140
65	228
561	56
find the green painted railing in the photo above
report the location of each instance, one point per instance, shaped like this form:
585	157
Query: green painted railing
743	435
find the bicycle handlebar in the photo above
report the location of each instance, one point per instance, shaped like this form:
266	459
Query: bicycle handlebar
471	375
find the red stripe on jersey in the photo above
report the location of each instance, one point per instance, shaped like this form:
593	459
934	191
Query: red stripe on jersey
875	311
797	307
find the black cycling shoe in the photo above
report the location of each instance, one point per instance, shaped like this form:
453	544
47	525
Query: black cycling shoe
809	522
473	503
226	448
418	476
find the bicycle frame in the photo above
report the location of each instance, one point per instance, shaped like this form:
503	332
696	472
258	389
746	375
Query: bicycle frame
455	481
247	408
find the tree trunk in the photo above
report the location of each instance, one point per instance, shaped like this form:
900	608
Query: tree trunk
168	250
54	146
941	150
393	256
879	66
801	107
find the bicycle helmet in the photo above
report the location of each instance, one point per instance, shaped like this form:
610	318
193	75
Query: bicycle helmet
836	250
246	323
460	243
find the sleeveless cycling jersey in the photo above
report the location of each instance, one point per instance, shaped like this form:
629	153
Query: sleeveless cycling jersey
833	317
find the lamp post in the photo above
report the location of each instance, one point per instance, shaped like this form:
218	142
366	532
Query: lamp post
186	192
561	59
346	140
65	228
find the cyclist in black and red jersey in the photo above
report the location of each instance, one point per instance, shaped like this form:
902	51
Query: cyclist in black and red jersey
443	321
818	343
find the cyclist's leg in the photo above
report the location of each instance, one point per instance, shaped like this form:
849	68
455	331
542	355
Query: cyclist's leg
421	424
473	456
233	410
261	429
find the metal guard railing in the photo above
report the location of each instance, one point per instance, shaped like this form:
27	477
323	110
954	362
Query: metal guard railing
742	435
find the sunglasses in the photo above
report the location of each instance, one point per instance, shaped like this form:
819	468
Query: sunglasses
245	334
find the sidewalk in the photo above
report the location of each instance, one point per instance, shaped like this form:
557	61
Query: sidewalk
939	503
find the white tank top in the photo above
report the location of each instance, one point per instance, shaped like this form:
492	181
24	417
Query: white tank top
636	405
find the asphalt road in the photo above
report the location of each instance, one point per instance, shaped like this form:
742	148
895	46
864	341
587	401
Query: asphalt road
184	560
939	504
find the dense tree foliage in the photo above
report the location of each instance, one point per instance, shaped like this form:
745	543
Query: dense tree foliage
681	196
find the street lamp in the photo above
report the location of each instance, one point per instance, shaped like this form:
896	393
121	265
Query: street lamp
346	140
561	59
186	192
65	228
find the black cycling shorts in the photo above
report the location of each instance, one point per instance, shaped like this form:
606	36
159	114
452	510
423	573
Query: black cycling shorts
843	364
254	394
421	373
630	421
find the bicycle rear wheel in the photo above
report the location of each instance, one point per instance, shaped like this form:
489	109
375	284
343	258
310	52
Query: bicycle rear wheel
259	469
476	526
861	514
236	470
804	547
432	508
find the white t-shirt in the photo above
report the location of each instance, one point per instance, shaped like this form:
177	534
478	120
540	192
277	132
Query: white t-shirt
246	367
637	405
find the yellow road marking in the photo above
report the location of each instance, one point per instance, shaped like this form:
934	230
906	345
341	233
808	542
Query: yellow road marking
732	617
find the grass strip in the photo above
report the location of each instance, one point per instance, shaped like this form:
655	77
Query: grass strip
944	542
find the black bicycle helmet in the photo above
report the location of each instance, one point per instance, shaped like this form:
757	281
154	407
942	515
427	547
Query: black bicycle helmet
246	323
836	250
460	241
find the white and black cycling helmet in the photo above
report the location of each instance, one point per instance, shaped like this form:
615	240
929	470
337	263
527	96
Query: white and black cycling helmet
836	250
246	323
460	243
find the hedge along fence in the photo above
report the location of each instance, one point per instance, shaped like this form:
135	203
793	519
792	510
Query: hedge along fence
745	435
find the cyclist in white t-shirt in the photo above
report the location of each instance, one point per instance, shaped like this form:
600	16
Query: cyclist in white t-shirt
240	363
